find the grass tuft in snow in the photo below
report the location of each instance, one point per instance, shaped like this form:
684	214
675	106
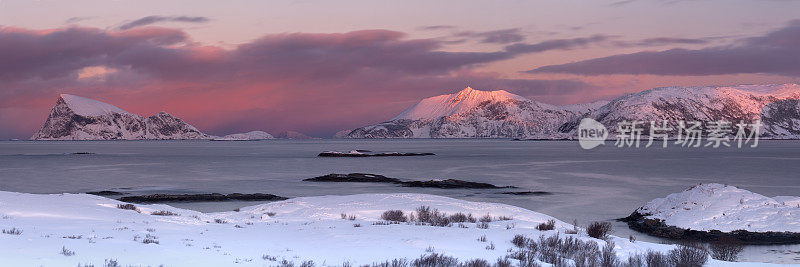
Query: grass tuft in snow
12	231
67	252
164	213
127	207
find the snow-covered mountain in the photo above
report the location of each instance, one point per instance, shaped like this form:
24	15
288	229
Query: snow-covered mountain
775	105
499	114
78	118
252	135
472	113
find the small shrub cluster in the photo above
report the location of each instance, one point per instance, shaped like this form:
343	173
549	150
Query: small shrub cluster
12	231
150	239
426	215
111	263
546	226
556	250
599	230
220	221
689	255
351	217
127	207
435	260
164	213
394	216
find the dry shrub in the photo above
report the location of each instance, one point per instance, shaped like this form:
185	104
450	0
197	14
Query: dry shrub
726	249
599	230
545	226
394	216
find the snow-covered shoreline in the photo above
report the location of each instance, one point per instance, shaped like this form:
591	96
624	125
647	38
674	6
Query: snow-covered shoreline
297	230
713	210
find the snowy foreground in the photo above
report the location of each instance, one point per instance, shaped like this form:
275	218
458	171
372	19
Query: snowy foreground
297	230
725	208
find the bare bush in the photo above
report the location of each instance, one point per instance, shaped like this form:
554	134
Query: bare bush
548	225
607	256
12	231
392	263
67	252
636	260
502	262
435	260
424	213
220	221
111	263
164	213
459	217
486	218
656	259
726	249
476	263
688	256
394	216
599	230
519	241
356	225
490	246
482	238
483	225
308	263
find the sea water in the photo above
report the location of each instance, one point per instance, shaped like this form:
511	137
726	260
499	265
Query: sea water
601	184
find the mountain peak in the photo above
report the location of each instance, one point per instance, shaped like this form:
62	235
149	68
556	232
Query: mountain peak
459	102
89	107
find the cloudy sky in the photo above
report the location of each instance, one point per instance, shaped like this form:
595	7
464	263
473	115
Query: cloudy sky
320	66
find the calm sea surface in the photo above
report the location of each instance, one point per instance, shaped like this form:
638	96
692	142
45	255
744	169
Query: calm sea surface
601	184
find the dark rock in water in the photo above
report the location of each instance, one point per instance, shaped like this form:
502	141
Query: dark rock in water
528	193
363	150
83	153
354	178
375	178
200	197
105	193
451	183
360	154
655	227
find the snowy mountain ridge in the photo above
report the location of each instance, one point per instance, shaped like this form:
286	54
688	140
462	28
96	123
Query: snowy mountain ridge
472	113
78	118
89	107
452	104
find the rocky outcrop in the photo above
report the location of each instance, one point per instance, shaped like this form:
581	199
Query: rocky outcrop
375	178
362	154
200	197
656	227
